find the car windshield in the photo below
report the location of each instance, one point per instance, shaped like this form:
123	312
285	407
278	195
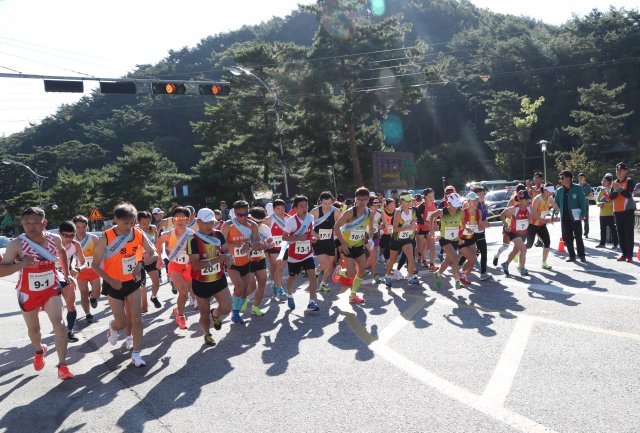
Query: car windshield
498	195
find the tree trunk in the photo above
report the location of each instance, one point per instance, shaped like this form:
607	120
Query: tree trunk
353	152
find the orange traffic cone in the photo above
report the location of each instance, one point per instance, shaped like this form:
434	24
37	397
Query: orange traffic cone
561	246
336	273
639	252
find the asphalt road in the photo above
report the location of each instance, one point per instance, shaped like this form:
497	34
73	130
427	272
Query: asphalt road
558	351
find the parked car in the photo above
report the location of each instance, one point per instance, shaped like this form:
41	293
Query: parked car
496	201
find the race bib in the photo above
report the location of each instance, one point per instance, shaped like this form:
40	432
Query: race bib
429	215
471	228
522	225
257	254
390	228
211	270
58	267
357	235
239	252
41	281
450	233
88	261
277	241
405	234
544	215
302	248
325	234
128	264
182	259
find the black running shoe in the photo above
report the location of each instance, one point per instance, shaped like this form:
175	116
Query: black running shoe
93	302
72	337
155	302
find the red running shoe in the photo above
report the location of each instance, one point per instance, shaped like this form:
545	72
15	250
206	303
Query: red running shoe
38	358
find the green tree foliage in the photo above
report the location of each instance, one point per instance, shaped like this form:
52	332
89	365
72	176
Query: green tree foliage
141	176
447	73
600	119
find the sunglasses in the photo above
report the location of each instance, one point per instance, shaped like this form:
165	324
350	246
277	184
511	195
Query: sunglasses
180	218
71	236
241	214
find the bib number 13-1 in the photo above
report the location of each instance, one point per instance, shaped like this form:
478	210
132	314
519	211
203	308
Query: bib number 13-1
303	247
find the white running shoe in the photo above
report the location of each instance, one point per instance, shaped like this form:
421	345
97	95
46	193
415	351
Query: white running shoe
397	275
485	276
137	359
128	342
112	335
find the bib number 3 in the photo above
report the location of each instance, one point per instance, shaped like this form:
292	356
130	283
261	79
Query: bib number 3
128	265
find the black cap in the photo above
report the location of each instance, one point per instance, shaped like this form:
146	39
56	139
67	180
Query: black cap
622	165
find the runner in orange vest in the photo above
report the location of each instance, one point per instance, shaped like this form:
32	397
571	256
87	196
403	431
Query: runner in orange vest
116	261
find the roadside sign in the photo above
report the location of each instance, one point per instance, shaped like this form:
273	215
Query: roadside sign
95	215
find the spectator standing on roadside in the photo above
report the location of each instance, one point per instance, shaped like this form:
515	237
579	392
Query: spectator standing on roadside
603	201
224	210
623	210
588	192
572	202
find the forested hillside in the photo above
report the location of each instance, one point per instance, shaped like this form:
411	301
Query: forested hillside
469	92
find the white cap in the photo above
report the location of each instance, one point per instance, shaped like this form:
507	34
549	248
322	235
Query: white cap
206	215
454	200
156	210
551	189
372	194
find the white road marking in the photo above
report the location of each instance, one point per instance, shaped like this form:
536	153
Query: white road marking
499	386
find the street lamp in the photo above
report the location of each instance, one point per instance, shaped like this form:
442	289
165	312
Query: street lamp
543	147
39	179
238	71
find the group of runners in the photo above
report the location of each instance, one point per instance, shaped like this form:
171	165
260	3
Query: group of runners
201	251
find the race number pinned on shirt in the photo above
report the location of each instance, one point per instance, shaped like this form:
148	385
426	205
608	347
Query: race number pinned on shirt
41	280
128	265
450	233
325	234
277	241
257	254
405	234
239	251
88	260
522	225
182	259
303	247
357	235
211	270
470	228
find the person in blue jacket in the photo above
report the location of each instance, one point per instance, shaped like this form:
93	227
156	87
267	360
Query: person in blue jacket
573	209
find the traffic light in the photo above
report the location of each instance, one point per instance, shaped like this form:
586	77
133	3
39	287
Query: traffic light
63	86
218	89
168	88
122	87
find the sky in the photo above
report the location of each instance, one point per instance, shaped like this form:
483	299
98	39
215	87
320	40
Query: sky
108	39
